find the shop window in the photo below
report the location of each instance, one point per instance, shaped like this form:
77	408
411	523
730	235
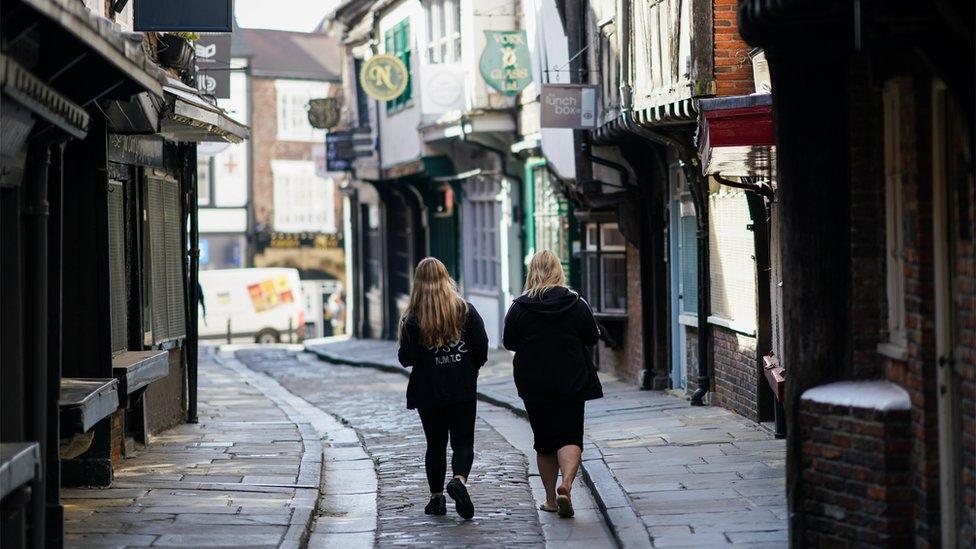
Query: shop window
550	217
292	110
303	201
362	100
732	256
166	256
894	215
397	43
443	31
482	220
604	261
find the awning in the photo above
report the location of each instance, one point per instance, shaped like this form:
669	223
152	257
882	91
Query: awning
190	117
735	135
103	38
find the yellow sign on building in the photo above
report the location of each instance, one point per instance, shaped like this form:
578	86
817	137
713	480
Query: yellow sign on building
383	77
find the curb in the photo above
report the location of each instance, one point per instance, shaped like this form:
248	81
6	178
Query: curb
318	430
614	503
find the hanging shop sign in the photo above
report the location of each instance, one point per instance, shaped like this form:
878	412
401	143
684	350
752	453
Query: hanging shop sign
384	77
323	113
345	146
442	88
183	15
213	64
506	63
568	106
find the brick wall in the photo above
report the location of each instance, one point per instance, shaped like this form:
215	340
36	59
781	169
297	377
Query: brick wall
855	468
165	400
733	68
736	373
264	132
628	361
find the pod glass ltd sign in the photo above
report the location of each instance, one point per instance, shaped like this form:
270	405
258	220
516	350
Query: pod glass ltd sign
506	63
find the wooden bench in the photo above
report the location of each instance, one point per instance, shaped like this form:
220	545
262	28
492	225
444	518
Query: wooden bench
137	369
20	465
85	402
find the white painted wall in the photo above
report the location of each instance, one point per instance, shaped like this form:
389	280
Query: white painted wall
399	142
550	52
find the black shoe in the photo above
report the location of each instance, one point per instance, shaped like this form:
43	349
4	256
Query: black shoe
462	502
436	506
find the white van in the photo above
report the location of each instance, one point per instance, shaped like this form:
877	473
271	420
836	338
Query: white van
263	304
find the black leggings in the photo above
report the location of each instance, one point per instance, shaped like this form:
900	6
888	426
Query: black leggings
456	420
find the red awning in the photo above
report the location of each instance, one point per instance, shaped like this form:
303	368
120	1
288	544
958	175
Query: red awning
735	135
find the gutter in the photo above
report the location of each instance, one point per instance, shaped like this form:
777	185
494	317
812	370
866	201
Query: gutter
690	165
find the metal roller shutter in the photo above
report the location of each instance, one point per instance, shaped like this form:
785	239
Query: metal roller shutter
166	273
116	265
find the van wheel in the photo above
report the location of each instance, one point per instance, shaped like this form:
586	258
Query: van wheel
267	336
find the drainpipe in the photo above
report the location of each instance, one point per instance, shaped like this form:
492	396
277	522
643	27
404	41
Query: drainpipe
37	210
699	191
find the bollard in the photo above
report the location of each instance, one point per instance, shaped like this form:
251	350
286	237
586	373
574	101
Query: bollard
290	334
228	331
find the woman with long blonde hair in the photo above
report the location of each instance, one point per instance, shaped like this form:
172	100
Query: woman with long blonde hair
443	339
550	327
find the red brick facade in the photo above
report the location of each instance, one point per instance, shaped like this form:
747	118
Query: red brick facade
855	469
733	68
735	379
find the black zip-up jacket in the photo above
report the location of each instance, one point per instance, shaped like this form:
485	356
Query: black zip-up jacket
448	374
549	336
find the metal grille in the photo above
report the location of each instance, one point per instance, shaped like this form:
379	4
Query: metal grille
166	274
116	266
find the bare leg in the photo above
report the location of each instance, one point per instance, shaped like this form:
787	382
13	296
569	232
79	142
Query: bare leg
569	464
548	470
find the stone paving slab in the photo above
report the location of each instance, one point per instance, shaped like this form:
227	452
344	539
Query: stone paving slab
653	460
204	485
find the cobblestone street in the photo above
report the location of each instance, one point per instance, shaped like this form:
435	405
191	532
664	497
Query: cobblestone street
372	402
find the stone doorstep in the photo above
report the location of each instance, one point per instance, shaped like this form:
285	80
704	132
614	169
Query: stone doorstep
624	522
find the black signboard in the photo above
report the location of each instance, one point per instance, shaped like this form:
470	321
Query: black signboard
340	149
213	64
142	150
184	15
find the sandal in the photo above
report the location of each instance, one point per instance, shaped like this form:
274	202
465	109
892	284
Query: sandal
548	508
564	505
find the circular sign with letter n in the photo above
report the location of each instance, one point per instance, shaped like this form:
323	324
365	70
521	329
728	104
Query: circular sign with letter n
383	77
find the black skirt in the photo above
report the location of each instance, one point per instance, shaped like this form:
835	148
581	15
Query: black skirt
555	424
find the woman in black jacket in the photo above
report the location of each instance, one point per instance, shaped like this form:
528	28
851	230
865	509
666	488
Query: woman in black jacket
550	327
443	338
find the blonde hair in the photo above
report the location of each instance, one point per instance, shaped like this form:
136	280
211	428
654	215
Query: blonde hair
435	305
545	273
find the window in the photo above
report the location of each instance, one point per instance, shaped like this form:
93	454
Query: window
443	31
688	256
605	268
731	260
204	176
303	201
362	100
894	215
550	217
482	217
292	109
397	42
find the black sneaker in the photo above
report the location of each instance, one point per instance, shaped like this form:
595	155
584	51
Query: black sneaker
436	506
462	502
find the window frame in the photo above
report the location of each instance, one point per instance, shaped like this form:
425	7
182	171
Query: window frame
294	183
443	33
483	216
894	222
291	110
596	248
397	43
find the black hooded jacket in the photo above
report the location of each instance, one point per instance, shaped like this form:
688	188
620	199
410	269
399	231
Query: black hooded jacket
549	336
448	374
